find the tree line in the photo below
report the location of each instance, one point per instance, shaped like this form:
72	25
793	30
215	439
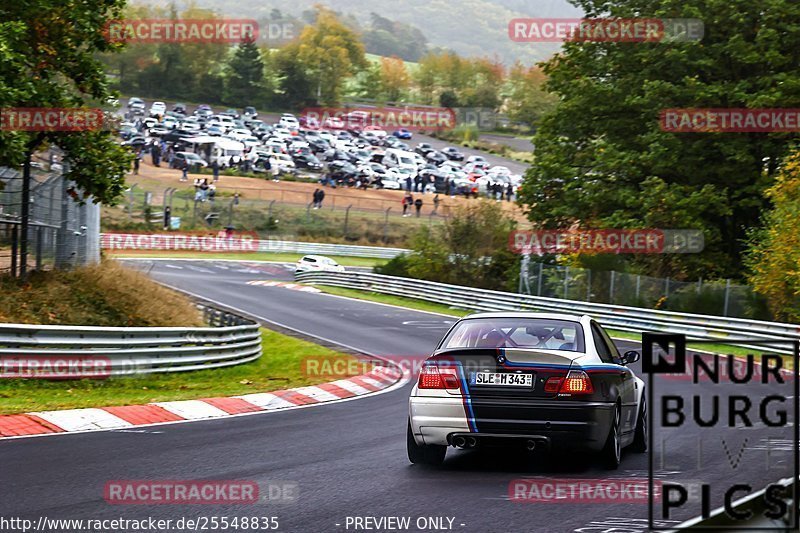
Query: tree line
325	63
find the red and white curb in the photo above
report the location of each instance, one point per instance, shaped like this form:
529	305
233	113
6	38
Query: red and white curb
381	379
285	285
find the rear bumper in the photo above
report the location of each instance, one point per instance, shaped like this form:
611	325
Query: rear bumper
564	424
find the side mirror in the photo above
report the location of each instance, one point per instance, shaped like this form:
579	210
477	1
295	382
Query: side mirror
630	357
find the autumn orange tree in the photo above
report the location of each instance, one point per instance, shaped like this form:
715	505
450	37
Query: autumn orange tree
395	78
774	255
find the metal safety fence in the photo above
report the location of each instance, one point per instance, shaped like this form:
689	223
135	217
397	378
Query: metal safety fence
204	243
229	339
722	298
64	229
694	326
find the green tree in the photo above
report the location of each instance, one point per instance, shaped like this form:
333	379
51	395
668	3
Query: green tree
469	248
601	155
330	52
48	53
48	58
244	79
527	100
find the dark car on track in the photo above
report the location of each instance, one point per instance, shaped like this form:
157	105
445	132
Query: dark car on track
533	380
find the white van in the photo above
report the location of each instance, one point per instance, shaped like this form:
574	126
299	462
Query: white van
394	158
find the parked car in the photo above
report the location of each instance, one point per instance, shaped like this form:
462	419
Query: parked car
157	109
403	133
423	148
452	153
193	159
308	161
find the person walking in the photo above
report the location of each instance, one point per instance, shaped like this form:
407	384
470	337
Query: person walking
418	205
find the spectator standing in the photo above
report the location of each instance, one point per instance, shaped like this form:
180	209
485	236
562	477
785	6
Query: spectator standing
509	192
185	170
320	198
436	201
315	198
136	161
276	172
408	184
215	169
155	153
418	205
407	201
417	182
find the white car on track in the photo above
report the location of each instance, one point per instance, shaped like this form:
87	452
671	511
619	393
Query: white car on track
317	263
536	380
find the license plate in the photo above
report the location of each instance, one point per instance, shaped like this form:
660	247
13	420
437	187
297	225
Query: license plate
501	379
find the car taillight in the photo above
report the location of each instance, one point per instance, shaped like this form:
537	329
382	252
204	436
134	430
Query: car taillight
434	377
577	382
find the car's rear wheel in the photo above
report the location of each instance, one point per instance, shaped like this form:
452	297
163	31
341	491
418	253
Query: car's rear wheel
612	451
639	444
425	454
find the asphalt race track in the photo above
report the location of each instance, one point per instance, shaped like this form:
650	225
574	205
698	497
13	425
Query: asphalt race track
348	458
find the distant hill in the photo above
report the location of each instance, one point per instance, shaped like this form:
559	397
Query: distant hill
469	27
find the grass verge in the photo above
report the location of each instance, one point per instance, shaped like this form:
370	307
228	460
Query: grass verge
280	366
255	256
422	305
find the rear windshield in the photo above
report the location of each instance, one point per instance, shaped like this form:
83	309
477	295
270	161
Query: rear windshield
538	333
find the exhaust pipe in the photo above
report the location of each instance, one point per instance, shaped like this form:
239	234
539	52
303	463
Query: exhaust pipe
472	442
459	442
530	445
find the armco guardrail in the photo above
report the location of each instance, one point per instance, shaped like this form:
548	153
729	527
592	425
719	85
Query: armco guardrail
244	245
705	327
299	247
229	340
